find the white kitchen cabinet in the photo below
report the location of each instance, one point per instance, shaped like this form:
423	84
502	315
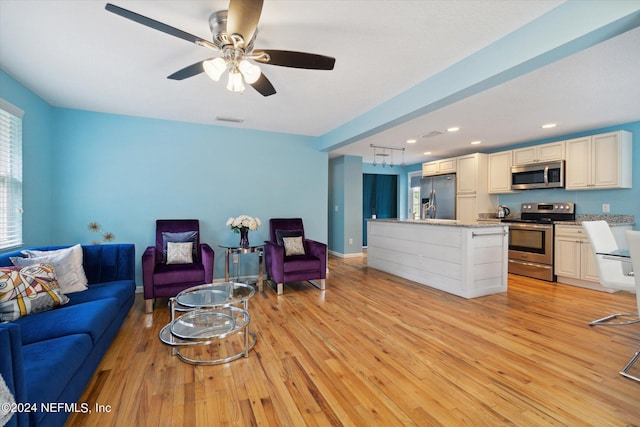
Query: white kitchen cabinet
599	161
439	167
539	153
471	188
574	262
499	174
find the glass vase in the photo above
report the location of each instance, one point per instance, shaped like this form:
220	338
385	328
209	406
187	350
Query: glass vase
244	238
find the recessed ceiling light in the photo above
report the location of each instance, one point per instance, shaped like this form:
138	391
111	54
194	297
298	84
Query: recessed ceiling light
411	141
476	142
427	153
549	126
453	129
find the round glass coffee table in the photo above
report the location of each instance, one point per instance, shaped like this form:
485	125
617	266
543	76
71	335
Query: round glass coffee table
212	313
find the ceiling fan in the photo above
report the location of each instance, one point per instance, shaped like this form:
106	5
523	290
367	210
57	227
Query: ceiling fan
234	32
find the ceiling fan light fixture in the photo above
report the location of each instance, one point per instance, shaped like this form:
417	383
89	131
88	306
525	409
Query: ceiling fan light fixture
214	68
235	82
250	72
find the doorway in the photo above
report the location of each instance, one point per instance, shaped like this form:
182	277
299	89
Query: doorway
379	198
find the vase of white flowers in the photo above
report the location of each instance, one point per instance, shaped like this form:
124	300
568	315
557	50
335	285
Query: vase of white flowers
242	224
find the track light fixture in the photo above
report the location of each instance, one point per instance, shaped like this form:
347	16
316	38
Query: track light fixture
384	155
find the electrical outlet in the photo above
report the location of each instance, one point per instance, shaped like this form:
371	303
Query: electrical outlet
605	207
235	258
351	241
337	208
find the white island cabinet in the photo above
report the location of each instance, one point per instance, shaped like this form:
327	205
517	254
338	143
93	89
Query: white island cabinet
464	259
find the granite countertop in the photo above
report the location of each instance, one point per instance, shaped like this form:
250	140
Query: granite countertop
441	222
612	220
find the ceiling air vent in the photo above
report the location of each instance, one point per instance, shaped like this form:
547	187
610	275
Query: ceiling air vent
229	119
431	134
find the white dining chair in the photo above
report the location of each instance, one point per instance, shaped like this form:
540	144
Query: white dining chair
610	272
633	241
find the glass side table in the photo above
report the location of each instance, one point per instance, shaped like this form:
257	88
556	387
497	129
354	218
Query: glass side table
240	250
212	313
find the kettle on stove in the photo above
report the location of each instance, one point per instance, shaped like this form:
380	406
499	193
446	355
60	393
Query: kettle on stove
503	211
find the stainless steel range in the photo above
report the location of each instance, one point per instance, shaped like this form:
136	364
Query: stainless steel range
531	238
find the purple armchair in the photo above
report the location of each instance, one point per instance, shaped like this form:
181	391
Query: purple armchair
164	275
290	257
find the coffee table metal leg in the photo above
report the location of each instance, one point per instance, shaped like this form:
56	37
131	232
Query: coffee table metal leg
226	264
260	257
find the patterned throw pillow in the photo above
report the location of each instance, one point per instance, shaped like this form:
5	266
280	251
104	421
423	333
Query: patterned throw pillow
27	290
179	253
293	246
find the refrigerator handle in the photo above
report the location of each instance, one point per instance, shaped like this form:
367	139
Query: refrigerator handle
433	203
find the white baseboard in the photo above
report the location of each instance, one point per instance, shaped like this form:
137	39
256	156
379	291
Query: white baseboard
341	255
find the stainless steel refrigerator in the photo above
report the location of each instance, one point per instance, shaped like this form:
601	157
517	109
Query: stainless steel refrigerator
438	196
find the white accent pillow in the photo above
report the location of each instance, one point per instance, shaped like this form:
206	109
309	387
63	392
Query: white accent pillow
67	263
179	252
293	246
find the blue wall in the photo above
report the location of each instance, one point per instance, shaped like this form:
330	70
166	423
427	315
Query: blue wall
345	206
126	172
37	166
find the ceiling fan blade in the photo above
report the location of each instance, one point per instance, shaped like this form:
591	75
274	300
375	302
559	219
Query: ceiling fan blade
288	58
264	86
190	71
157	25
243	17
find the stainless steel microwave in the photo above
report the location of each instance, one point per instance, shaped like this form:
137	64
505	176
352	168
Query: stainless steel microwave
538	175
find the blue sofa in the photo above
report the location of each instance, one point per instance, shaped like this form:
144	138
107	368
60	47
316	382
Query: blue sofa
50	357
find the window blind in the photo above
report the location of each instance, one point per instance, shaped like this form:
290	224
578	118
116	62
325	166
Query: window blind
10	175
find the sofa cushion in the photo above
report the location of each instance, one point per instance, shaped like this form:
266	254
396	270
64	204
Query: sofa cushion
91	318
67	262
301	263
170	274
26	290
123	291
49	366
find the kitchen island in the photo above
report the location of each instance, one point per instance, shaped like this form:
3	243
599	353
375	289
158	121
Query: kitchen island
464	259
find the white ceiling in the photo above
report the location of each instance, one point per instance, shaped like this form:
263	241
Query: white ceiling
74	54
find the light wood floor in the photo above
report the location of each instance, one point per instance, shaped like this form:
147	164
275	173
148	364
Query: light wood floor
377	350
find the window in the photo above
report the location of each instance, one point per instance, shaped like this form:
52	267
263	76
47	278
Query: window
10	175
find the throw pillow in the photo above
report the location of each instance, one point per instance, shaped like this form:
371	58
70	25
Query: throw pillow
185	236
27	290
280	234
179	253
293	246
67	262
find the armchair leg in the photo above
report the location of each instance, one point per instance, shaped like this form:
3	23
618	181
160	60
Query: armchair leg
322	284
148	305
280	287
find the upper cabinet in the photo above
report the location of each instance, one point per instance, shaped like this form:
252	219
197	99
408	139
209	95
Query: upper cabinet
539	153
499	179
439	167
471	188
599	161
